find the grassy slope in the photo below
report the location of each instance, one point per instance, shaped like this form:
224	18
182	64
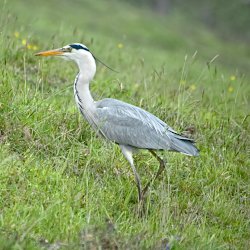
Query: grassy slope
59	183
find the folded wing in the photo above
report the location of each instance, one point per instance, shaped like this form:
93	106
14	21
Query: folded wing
126	124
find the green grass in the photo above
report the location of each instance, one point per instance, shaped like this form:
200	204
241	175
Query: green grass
62	187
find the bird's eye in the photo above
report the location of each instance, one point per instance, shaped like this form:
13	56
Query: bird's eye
66	49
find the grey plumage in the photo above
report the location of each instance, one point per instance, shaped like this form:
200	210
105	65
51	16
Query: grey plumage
129	125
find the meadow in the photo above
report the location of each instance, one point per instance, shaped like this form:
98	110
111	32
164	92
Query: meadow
62	187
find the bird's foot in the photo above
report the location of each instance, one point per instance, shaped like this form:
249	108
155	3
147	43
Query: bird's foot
142	198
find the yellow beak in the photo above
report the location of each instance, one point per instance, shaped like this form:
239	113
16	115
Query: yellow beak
54	52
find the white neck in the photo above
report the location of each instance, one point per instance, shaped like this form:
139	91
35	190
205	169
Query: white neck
87	69
82	91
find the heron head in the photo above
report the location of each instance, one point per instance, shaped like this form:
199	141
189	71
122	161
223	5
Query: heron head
76	52
72	52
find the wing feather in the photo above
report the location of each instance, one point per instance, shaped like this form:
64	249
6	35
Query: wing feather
126	124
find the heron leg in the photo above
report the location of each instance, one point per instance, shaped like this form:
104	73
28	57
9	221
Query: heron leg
128	153
161	168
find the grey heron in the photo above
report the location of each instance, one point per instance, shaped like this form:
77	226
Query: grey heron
129	126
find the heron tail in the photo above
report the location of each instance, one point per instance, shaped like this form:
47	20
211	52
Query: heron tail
183	145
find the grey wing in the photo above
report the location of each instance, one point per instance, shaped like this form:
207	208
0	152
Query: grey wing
130	125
